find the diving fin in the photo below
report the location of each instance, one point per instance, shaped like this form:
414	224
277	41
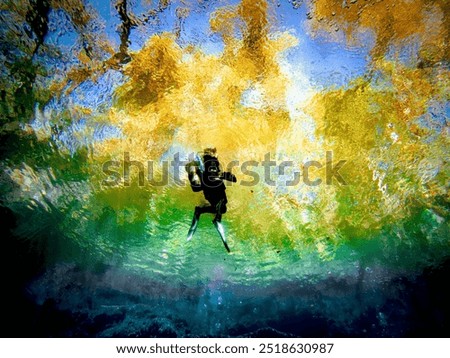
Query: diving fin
221	232
194	224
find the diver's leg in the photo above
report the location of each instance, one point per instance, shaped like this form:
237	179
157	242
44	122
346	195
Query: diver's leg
221	231
198	211
220	208
208	209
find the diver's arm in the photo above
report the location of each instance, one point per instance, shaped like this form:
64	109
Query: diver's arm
229	176
194	176
196	183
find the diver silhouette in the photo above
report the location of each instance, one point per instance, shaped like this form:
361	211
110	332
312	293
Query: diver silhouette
205	174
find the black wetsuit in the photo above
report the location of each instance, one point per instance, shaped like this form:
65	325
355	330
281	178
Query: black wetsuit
210	181
214	188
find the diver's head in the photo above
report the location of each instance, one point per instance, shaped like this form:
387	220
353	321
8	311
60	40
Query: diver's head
211	163
210	151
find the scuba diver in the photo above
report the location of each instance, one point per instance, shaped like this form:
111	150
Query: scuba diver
205	174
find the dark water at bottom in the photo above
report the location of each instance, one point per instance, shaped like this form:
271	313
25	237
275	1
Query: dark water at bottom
66	301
